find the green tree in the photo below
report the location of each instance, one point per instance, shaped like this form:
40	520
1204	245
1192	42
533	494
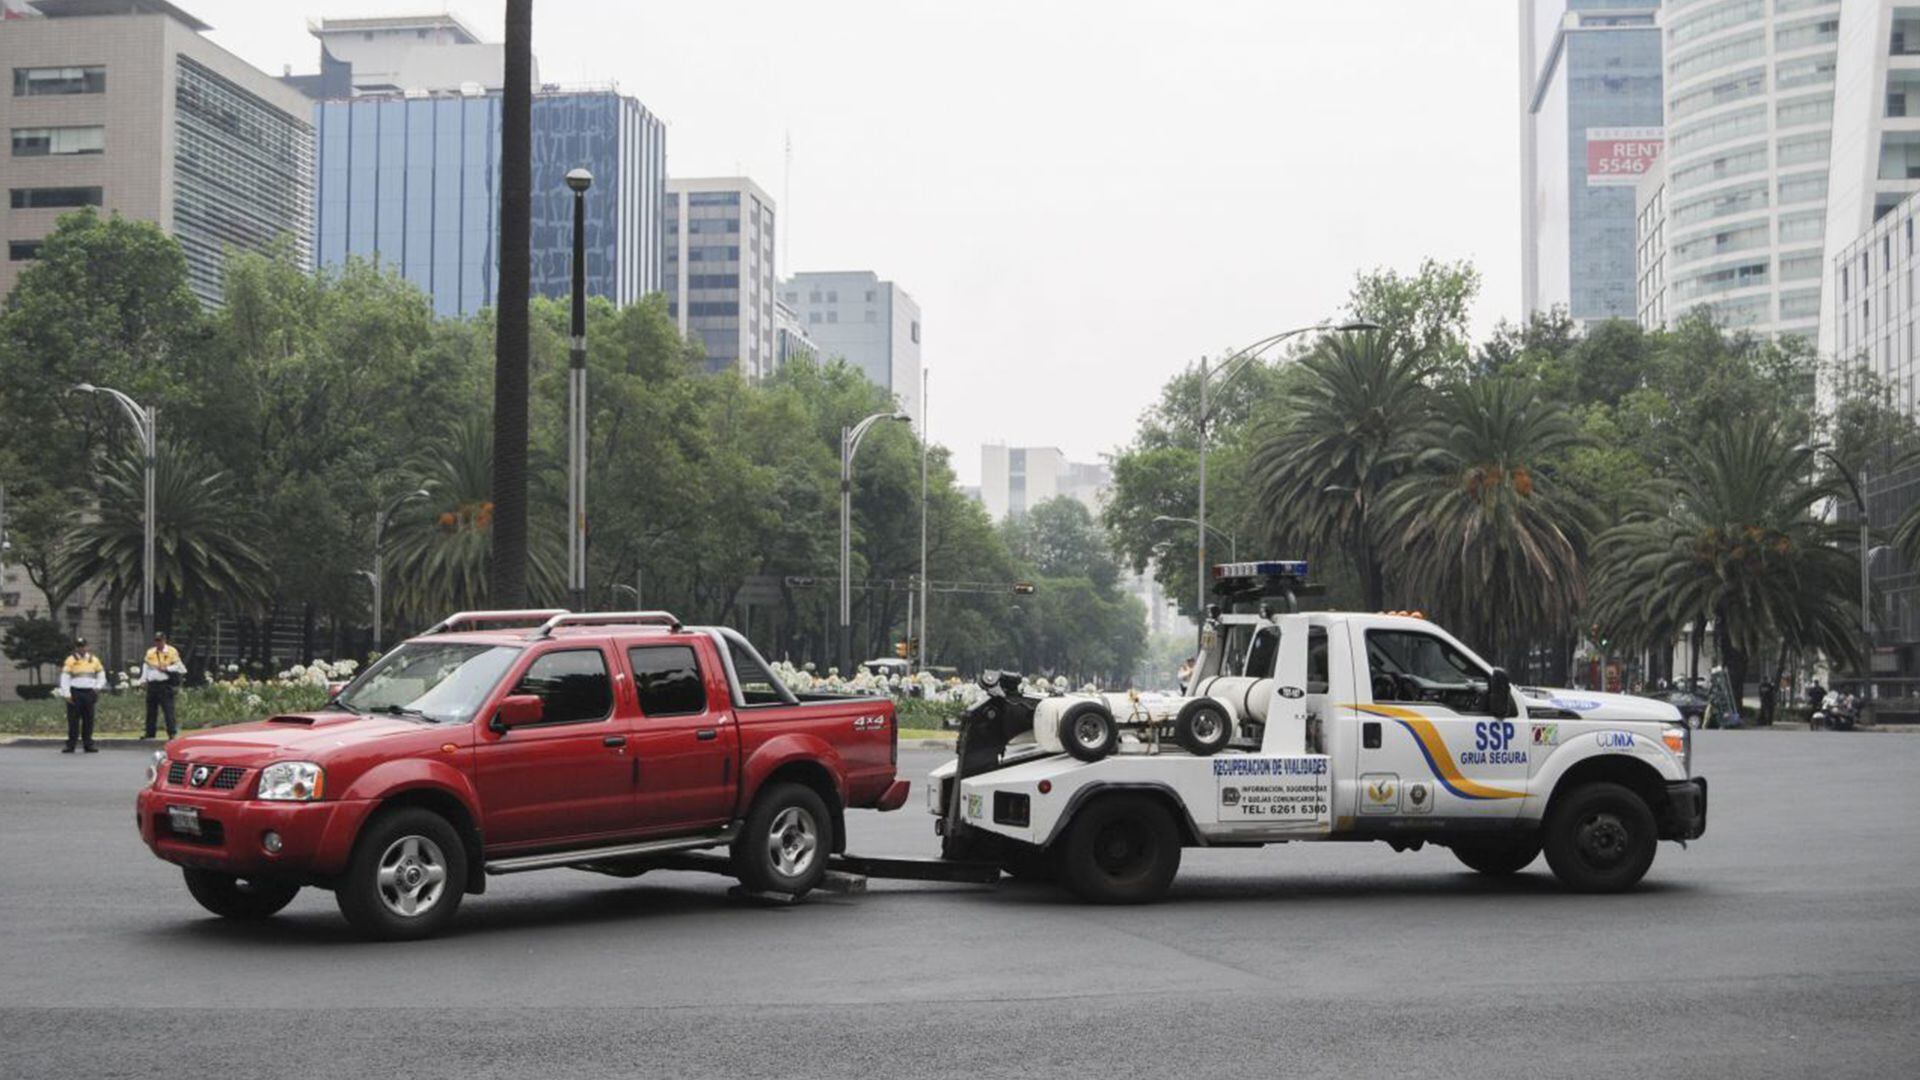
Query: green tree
1424	314
203	553
1485	533
1734	539
1060	538
1348	430
33	644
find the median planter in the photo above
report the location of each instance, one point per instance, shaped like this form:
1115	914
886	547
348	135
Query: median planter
34	693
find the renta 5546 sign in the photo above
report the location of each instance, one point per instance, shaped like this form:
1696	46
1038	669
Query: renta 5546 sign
1622	155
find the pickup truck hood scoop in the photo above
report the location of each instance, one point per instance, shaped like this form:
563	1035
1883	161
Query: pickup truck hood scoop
286	735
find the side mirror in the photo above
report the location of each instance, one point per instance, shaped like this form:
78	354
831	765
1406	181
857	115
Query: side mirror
1500	695
518	710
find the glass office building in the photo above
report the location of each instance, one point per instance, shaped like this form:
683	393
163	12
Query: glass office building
1591	125
413	182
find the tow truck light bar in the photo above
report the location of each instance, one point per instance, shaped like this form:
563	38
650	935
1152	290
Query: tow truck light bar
1292	568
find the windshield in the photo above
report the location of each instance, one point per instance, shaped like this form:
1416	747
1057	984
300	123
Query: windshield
442	681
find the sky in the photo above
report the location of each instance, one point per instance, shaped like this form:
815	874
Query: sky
1083	197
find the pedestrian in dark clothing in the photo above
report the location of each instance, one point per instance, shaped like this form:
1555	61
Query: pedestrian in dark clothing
160	671
82	677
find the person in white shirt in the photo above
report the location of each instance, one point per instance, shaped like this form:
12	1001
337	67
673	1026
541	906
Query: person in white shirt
82	677
160	673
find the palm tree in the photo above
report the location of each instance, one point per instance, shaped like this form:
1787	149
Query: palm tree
1348	431
1735	539
509	466
202	551
438	549
1481	531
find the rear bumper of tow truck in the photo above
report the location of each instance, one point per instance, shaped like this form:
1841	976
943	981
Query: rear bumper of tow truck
1685	815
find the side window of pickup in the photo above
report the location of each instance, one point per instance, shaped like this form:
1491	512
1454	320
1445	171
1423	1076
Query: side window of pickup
572	683
668	679
758	686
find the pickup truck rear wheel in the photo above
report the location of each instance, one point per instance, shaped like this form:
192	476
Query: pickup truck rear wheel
243	899
1121	849
1498	857
1600	838
785	843
406	877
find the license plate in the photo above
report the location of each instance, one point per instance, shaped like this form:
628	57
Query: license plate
184	820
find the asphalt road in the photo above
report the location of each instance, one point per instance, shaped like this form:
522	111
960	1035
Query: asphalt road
1782	944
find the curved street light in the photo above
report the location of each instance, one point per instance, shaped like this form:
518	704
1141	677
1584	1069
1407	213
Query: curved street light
1233	543
145	423
1232	366
850	445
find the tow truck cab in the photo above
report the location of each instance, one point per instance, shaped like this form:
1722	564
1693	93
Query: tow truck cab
1345	726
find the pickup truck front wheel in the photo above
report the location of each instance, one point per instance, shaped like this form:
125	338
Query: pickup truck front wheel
243	899
408	873
784	845
1600	838
1121	849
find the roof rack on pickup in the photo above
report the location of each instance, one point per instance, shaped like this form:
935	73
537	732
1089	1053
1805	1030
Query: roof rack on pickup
469	619
607	618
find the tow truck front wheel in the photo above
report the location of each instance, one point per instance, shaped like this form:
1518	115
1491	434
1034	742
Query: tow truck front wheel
1122	849
1600	838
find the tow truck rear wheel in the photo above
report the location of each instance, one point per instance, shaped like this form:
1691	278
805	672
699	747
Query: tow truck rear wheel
241	899
1600	838
784	845
1498	857
1121	849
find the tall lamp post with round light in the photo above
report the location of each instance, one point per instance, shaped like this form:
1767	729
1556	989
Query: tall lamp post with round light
579	180
850	445
145	424
1226	372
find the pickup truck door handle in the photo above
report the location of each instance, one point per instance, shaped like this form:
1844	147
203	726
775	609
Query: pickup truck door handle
614	740
706	734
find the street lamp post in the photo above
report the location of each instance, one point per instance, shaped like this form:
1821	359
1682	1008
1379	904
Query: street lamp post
1229	368
849	445
579	180
145	423
1866	561
1233	543
379	574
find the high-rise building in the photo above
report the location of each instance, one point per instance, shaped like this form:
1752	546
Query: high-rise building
1590	127
871	324
125	106
790	338
719	270
1015	479
393	54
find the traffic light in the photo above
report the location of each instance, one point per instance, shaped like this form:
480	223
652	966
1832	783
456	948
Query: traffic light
902	649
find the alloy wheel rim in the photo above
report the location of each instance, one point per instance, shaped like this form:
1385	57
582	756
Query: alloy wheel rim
412	876
793	841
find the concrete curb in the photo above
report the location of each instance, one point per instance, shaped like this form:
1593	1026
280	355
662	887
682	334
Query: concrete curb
104	742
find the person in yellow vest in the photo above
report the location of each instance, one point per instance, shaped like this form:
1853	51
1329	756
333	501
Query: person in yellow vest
82	677
161	672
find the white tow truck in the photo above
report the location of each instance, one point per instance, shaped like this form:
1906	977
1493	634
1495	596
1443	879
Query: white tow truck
1316	726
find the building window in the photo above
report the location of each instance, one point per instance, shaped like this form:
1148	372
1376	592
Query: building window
916	331
832	297
873	316
813	316
35	82
713	198
22	250
41	142
833	316
56	198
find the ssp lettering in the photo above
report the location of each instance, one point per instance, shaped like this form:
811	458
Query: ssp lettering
1493	735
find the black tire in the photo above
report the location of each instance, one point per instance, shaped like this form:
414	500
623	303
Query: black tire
406	878
1600	838
241	899
786	841
1203	727
1121	849
1498	857
1088	732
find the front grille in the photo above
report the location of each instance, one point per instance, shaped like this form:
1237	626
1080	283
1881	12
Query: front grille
228	778
176	772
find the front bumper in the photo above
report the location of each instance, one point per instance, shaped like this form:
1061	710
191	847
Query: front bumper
315	837
1684	817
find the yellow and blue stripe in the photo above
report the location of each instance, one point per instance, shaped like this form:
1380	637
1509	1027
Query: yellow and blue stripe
1434	749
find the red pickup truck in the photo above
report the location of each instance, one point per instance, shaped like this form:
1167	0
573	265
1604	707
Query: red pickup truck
601	742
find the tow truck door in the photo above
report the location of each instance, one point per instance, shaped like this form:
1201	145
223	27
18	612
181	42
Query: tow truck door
1429	746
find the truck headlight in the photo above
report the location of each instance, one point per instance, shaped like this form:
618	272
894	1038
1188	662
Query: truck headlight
153	768
292	781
